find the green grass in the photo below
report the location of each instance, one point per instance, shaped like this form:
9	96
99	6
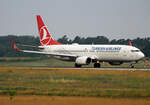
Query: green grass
36	61
69	82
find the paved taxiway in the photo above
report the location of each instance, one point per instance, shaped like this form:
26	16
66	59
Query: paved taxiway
132	69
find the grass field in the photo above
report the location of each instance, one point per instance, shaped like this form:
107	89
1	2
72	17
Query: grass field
36	61
26	81
72	82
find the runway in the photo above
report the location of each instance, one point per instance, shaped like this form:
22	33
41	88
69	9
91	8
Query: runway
72	68
126	69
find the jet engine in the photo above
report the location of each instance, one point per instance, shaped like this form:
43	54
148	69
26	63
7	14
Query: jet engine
83	60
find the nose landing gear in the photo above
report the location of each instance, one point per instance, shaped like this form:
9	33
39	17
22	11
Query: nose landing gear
131	66
134	62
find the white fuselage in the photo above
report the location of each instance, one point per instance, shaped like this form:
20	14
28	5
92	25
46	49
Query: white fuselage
106	53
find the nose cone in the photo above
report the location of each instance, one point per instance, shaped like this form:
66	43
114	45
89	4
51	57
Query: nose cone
141	55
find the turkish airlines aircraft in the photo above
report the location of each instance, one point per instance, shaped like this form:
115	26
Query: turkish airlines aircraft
84	54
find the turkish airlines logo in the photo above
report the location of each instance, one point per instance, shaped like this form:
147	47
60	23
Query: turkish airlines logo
44	36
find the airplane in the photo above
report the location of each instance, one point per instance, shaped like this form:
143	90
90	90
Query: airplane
84	54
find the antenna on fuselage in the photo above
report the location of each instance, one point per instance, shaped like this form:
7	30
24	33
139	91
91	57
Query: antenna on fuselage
130	44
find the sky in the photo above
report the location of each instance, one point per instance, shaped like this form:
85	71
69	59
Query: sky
114	19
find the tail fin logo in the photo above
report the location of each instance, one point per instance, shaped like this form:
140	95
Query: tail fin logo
45	37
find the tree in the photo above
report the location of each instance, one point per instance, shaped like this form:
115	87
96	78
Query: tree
64	40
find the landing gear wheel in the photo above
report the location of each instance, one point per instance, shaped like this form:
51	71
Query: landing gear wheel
77	65
97	65
131	66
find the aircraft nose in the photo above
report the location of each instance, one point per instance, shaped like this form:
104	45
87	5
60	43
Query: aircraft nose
142	55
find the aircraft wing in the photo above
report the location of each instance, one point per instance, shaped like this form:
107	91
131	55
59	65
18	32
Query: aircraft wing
40	52
47	53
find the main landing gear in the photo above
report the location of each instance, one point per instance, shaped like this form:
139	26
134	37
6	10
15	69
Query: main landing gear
77	65
97	65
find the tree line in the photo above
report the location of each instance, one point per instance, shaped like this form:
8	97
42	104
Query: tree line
6	49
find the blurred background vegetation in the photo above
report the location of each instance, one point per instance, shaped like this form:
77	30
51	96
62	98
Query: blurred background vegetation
6	49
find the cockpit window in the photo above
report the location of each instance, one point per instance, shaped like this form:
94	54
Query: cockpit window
135	50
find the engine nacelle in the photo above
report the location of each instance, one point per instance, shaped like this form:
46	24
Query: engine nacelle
115	63
83	60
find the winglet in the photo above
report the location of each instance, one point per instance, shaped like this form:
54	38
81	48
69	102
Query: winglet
130	44
15	47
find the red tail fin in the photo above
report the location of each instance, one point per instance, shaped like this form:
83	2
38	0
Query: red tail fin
45	37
